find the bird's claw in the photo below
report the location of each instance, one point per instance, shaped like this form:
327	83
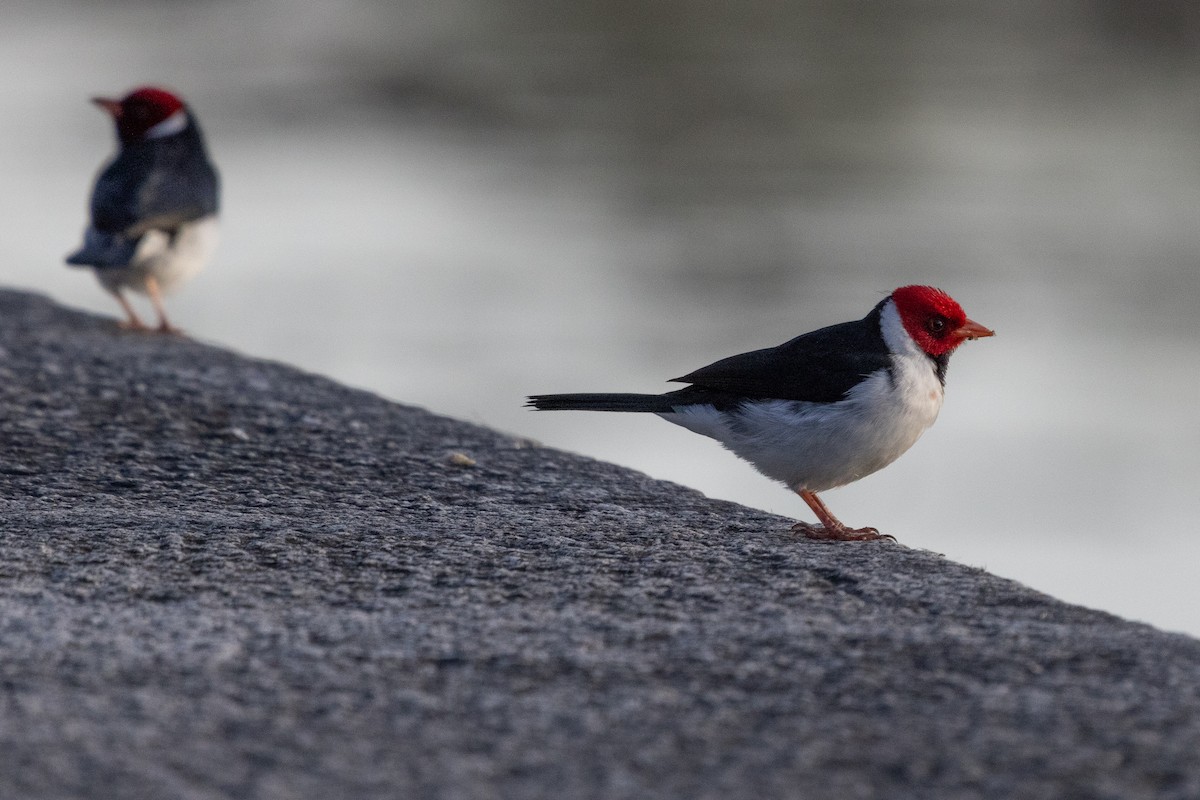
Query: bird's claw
840	534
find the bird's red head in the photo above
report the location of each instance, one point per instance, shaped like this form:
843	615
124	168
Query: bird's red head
140	110
934	320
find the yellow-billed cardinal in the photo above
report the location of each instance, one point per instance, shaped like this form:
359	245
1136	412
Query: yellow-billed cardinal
825	409
154	206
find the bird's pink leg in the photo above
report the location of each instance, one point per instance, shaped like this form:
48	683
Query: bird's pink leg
832	528
134	323
156	299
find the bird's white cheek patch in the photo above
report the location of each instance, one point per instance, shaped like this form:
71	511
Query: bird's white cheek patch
169	126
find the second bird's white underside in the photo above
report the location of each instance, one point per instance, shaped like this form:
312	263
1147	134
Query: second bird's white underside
818	446
171	260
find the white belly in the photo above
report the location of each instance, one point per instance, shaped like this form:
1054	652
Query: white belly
818	446
170	260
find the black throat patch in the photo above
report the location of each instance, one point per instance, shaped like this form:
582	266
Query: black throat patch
940	365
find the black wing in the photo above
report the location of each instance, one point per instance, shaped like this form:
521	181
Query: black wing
816	367
155	184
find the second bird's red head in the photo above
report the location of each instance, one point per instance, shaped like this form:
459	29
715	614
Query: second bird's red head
138	112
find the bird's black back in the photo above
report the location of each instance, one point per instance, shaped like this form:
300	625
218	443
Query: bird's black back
156	184
816	367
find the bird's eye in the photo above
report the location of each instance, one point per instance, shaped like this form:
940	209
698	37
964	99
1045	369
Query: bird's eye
936	325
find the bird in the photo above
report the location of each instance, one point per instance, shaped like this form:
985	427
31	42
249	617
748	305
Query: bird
824	409
153	216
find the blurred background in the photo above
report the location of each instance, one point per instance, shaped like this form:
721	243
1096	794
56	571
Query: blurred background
458	203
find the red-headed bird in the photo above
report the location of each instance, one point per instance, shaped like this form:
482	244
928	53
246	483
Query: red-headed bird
154	206
824	409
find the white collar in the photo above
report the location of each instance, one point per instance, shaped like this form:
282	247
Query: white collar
171	125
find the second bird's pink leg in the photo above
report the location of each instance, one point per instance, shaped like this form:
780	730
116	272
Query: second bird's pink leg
133	323
156	300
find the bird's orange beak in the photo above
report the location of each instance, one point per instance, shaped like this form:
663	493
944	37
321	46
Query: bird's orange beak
113	107
973	330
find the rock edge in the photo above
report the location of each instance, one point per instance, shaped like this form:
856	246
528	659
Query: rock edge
224	577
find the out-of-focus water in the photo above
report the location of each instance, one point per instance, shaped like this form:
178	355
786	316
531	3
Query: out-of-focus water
459	204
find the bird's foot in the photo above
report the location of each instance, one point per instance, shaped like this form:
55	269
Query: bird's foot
840	533
168	328
133	325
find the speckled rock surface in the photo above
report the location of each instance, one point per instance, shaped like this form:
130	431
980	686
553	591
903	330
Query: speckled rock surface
225	578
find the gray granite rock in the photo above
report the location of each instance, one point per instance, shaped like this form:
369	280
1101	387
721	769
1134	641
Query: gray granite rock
226	578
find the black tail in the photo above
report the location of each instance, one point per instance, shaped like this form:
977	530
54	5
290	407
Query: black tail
652	403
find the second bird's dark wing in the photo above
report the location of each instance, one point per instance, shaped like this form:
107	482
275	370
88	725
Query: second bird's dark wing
155	184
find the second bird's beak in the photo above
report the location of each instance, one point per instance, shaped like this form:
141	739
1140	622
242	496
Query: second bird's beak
113	107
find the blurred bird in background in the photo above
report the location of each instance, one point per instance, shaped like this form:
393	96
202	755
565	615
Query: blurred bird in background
154	207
